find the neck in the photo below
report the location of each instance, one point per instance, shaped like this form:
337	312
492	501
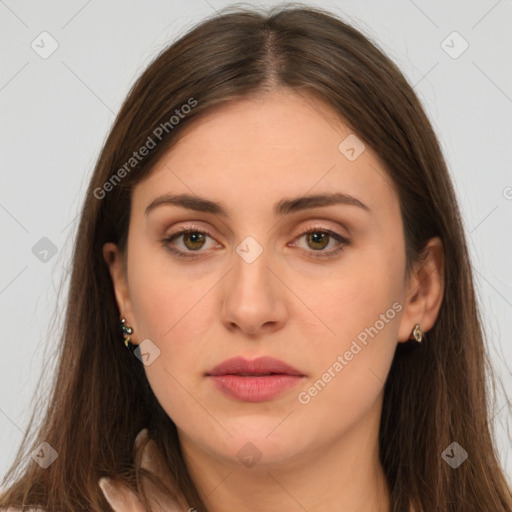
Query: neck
342	475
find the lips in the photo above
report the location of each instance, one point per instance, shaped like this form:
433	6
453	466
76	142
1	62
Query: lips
257	367
256	380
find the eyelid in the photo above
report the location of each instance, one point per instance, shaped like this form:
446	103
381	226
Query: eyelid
343	241
315	227
190	228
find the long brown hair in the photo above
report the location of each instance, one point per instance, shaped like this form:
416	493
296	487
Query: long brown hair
434	395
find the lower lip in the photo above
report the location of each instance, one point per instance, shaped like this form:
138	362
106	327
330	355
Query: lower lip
255	389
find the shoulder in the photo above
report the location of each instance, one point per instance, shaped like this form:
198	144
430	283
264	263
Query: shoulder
122	498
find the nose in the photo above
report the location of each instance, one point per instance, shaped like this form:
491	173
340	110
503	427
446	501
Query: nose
254	298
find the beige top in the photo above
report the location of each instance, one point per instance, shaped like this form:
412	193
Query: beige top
123	499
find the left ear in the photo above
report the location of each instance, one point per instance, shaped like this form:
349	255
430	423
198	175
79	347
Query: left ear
425	291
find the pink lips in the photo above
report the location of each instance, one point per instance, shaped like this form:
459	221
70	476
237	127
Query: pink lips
254	380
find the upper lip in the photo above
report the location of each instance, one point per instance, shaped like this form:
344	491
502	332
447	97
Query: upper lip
260	366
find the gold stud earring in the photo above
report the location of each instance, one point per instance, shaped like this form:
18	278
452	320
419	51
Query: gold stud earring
417	333
127	331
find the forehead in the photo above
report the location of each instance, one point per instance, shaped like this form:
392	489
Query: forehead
252	153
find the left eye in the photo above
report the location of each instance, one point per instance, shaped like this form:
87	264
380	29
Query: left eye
318	239
195	239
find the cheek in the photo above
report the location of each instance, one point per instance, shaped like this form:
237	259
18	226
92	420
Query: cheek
355	295
174	311
362	310
170	310
165	297
351	366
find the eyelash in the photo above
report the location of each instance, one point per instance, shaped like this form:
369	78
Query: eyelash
319	254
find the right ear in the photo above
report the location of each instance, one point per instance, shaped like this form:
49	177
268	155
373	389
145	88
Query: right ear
116	266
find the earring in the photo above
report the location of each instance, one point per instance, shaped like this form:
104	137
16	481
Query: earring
417	333
127	331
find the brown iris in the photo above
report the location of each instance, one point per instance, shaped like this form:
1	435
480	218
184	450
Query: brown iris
193	238
318	237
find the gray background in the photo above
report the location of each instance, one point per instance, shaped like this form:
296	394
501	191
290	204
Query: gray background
56	111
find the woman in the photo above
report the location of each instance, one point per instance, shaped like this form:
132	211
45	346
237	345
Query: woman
272	231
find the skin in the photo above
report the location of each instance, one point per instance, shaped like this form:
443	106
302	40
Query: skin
287	304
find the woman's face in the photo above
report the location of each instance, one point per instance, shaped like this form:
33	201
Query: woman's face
332	306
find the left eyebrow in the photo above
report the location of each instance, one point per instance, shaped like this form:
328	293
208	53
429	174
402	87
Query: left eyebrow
286	206
283	207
